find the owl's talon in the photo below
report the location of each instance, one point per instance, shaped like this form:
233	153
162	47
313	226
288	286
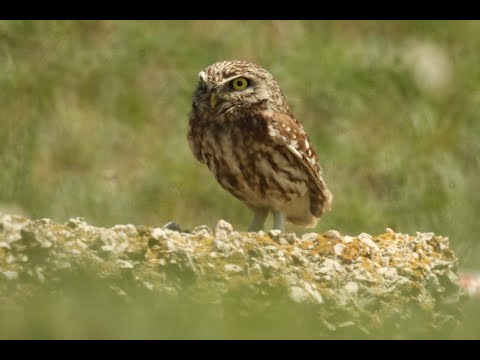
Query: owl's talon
278	221
258	221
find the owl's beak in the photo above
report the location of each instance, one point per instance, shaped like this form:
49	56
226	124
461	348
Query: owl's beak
213	100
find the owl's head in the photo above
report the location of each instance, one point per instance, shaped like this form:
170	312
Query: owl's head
230	86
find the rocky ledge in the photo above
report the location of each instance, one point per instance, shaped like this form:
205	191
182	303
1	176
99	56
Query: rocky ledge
363	283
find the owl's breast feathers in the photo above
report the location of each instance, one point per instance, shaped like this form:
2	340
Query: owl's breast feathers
263	158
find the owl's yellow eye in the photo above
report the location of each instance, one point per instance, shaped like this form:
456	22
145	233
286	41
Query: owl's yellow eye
240	83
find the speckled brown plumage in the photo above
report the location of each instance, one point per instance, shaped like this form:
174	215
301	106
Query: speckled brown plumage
254	146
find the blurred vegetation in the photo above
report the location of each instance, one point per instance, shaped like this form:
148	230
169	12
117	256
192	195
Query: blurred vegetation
94	118
87	308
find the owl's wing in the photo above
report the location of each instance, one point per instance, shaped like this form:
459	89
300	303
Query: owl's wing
288	132
194	137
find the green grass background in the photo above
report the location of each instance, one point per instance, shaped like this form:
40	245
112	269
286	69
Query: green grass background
94	116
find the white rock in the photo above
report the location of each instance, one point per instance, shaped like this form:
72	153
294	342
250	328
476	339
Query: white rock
39	273
363	275
314	293
346	324
363	236
441	264
75	252
454	278
329	266
329	326
297	252
62	264
298	294
384	260
202	230
81	244
291	238
391	274
76	222
124	264
10	275
148	285
255	269
233	268
338	249
368	242
427	236
107	248
46	244
309	237
333	234
274	234
223	228
158	233
391	250
323	270
221	246
351	287
270	248
399	237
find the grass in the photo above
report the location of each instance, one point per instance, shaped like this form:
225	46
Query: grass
94	120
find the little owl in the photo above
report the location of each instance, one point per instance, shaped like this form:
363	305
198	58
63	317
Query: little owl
242	128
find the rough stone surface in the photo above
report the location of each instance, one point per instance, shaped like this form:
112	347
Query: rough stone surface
361	282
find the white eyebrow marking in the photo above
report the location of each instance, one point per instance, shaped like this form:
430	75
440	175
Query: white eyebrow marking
231	78
202	75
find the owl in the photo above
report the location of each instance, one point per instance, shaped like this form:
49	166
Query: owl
241	127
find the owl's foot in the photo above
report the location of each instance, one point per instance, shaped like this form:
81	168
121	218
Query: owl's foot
258	220
278	221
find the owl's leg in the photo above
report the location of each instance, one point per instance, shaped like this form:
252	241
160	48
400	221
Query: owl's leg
258	220
278	221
